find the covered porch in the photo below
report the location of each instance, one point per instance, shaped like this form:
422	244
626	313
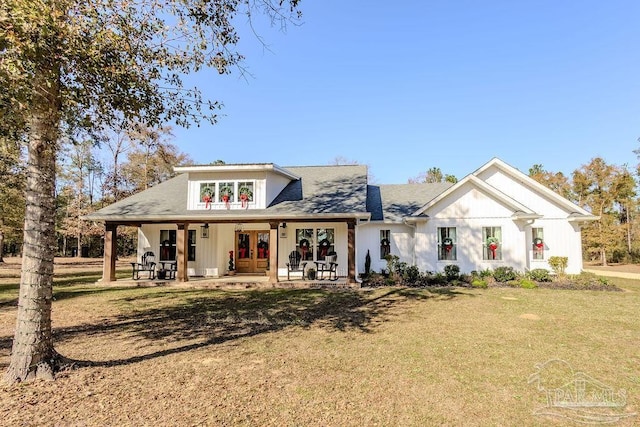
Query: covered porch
227	240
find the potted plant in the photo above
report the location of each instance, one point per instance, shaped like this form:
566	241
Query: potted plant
311	274
232	267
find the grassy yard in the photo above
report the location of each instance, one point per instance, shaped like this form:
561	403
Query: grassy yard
283	357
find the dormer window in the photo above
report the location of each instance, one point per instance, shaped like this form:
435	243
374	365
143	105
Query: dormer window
207	193
226	194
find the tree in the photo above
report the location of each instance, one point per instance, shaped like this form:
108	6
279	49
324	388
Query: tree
78	168
433	175
557	182
68	66
602	189
152	158
11	195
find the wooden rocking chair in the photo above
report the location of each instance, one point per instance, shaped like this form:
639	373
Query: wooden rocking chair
294	264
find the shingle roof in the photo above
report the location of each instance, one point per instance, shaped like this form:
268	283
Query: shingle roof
321	191
396	201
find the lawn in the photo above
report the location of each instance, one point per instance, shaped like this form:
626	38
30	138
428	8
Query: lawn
287	357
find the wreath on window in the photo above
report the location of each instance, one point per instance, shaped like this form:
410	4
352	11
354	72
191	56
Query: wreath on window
492	244
448	244
304	243
538	242
324	243
385	242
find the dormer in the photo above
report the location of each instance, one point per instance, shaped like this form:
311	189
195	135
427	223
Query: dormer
240	186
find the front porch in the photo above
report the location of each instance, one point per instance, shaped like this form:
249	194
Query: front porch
203	247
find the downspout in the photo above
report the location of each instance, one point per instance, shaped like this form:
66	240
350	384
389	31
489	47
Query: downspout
413	245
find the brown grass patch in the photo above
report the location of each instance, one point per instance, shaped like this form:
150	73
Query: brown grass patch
280	357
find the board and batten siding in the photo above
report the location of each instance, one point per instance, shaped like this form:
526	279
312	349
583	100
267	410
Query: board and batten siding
526	195
287	244
207	253
368	238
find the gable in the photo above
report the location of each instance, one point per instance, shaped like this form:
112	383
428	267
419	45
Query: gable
470	201
523	188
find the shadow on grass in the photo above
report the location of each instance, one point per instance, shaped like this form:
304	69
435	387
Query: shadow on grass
215	317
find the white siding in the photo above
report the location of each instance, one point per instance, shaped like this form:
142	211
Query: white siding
207	253
368	238
524	194
288	244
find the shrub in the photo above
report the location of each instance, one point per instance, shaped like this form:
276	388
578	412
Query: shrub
528	284
558	264
437	279
452	272
412	274
504	274
479	283
539	275
367	263
486	273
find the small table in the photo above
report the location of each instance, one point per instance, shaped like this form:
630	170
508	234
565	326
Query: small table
170	268
324	266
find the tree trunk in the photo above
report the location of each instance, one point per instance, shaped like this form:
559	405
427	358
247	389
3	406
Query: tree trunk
33	355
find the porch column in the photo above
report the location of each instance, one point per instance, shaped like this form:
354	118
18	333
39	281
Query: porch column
182	246
273	251
351	251
109	258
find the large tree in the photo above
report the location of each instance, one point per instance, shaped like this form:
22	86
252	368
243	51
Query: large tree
70	65
603	189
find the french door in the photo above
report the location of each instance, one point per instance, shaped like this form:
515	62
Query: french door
252	251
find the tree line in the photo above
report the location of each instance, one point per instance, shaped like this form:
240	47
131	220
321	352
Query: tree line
89	176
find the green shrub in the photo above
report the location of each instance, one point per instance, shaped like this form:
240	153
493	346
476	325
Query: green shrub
479	283
528	284
504	274
452	271
486	273
412	274
539	275
558	264
437	279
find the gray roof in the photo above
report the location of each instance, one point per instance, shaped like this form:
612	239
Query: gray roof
393	202
322	191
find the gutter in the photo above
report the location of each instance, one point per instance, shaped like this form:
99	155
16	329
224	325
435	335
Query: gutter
414	227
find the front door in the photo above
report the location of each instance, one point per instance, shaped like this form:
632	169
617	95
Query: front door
252	249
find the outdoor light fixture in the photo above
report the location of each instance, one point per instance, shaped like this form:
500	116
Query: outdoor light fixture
284	225
204	231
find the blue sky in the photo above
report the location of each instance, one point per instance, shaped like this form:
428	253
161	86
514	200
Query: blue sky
405	86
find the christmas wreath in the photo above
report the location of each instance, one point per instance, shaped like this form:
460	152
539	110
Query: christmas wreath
304	243
448	244
538	242
384	242
492	243
324	248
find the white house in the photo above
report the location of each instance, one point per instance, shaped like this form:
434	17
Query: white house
261	214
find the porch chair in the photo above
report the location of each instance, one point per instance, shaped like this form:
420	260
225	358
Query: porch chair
329	266
148	264
294	264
